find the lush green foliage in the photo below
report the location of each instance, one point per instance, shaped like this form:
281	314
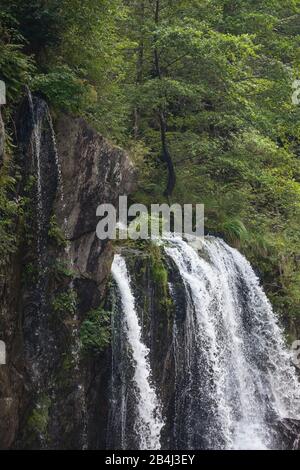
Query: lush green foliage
56	234
38	420
225	86
8	212
15	65
65	303
159	272
219	73
77	52
95	331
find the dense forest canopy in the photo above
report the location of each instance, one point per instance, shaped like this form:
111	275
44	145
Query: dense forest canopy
198	91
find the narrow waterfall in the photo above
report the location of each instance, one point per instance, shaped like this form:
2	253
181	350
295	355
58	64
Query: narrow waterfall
38	112
139	398
234	378
45	169
49	184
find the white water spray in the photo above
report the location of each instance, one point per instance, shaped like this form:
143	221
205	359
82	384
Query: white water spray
149	422
235	354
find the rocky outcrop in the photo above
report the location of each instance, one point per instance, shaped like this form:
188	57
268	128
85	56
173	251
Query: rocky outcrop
93	172
52	395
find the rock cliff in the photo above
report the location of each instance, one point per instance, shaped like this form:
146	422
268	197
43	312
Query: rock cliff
51	393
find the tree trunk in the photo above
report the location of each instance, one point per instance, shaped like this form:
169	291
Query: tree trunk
166	155
139	65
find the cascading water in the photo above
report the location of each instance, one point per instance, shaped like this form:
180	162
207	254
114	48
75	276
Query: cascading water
233	385
140	401
46	170
38	113
49	184
234	378
44	167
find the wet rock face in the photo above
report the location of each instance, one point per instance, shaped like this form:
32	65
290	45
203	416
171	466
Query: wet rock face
2	139
93	172
52	396
289	432
158	314
11	374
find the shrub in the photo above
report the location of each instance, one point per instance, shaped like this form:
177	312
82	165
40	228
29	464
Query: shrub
65	303
64	89
95	331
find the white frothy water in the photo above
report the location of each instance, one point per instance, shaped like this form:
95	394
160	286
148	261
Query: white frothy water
37	118
149	422
235	345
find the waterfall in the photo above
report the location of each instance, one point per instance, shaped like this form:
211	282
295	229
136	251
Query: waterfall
49	185
234	378
37	114
46	171
148	421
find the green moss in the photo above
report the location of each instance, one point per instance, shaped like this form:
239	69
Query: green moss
67	362
60	271
160	276
95	331
30	273
38	421
65	303
56	234
159	273
64	376
9	210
